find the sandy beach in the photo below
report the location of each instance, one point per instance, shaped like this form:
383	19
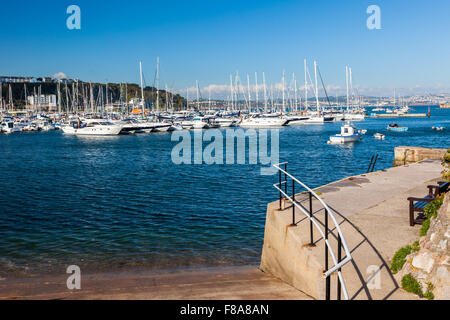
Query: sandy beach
227	283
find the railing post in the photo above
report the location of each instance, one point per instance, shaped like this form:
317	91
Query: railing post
285	178
370	165
374	163
293	203
279	171
327	280
339	270
311	229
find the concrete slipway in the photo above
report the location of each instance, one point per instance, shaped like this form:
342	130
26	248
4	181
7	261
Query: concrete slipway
373	213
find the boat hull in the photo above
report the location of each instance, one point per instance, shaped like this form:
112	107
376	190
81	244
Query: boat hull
338	139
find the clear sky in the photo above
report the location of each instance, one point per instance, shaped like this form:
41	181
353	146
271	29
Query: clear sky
209	40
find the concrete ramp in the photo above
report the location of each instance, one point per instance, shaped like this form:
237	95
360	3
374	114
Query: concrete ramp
373	213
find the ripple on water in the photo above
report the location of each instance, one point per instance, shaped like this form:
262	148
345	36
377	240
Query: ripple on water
118	203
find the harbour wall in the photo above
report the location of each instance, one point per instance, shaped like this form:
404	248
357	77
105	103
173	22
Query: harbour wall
407	155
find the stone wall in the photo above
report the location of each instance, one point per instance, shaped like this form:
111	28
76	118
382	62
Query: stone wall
407	155
431	264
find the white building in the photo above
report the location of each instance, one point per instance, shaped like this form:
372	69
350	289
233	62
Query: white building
45	101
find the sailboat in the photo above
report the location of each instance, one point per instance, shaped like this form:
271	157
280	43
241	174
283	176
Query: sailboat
318	116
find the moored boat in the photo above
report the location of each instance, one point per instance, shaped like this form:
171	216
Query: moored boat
348	134
396	128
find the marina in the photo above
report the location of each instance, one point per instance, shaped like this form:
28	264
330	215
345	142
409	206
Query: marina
122	207
211	157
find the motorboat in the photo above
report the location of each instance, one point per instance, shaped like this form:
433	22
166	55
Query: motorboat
438	127
200	123
396	128
225	122
263	122
9	127
348	134
379	136
95	127
354	116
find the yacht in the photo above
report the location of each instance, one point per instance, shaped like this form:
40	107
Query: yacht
226	122
319	120
9	127
199	123
354	116
263	122
93	127
296	120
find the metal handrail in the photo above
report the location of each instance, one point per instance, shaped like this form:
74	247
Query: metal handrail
338	263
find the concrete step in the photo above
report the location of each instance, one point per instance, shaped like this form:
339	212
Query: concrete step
372	212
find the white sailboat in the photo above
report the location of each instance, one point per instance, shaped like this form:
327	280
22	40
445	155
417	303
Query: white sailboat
263	122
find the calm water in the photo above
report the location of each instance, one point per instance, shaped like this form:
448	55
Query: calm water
114	203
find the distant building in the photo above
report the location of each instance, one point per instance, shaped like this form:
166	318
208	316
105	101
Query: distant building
47	102
11	79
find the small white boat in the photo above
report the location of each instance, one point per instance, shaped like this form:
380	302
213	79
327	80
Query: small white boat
348	134
226	122
379	136
263	122
354	116
199	123
187	124
9	127
92	127
163	127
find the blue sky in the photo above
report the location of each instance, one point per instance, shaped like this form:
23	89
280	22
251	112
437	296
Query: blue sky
208	40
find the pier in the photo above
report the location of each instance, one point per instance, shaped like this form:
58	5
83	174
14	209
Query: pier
372	212
393	115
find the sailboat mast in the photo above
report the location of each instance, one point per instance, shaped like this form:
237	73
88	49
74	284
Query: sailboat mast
1	96
142	89
351	88
306	87
157	84
25	96
167	98
295	94
209	98
231	92
317	87
11	103
249	94
265	92
346	80
256	89
283	89
59	96
198	95
91	98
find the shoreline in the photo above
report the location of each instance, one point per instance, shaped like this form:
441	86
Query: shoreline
214	283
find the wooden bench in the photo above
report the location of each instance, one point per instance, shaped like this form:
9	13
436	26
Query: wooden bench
419	204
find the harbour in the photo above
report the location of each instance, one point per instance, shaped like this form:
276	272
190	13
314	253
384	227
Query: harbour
224	160
119	203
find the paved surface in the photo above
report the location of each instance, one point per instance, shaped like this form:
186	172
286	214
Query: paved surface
246	283
373	213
